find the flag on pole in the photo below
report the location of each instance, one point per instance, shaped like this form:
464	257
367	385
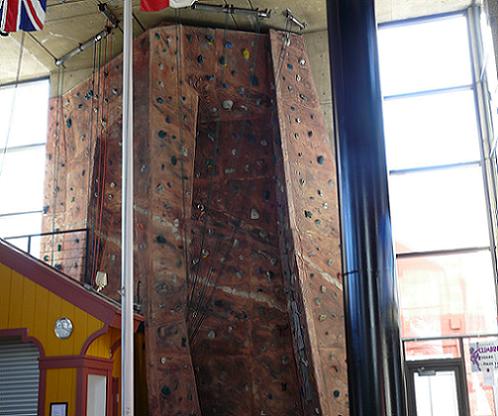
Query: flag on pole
156	5
27	15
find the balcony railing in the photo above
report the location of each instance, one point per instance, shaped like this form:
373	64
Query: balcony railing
65	250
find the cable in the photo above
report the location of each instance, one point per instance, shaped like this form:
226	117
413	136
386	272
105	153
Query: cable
13	103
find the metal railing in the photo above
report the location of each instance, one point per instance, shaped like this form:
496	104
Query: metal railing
49	252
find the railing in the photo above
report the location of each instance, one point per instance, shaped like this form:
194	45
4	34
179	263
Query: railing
69	255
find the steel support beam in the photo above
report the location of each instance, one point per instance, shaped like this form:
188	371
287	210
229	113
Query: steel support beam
375	358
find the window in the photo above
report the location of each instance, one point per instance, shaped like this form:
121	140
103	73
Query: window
439	198
23	134
96	402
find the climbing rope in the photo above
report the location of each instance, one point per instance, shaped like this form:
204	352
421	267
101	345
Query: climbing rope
209	280
194	276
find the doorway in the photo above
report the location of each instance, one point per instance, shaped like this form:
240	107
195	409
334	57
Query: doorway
436	388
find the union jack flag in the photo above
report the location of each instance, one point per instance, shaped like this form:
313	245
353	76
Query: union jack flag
27	15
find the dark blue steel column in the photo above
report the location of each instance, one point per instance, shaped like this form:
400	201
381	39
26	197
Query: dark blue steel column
375	358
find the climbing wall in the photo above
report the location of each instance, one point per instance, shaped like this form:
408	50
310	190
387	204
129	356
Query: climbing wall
164	145
241	340
309	232
172	133
236	234
66	200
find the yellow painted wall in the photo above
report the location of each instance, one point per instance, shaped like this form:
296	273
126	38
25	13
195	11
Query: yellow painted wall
101	347
25	304
61	387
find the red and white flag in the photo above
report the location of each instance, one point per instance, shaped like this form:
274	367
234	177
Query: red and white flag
156	5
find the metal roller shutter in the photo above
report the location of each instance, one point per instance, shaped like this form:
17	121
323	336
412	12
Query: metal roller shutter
19	379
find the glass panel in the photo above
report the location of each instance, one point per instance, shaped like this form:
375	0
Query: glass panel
431	350
21	180
436	394
430	130
437	210
424	55
27	102
447	295
20	225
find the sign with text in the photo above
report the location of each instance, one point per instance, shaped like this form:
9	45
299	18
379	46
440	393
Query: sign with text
484	356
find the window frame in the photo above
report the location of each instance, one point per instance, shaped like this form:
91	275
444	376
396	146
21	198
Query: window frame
5	151
488	161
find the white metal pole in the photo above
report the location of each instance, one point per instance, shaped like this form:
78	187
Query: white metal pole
127	218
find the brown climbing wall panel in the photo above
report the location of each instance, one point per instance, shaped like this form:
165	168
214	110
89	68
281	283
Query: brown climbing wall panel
66	181
310	241
243	349
172	131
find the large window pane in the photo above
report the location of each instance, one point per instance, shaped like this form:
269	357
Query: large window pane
21	180
436	210
447	295
430	130
425	55
25	110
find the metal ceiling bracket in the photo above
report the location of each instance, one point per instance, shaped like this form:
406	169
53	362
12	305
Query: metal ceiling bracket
113	23
301	24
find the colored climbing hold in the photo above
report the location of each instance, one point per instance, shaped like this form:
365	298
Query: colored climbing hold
290	67
228	104
228	44
254	214
69	123
160	239
254	80
165	391
222	60
246	54
308	214
320	159
200	59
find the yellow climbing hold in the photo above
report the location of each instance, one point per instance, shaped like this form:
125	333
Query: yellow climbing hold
246	54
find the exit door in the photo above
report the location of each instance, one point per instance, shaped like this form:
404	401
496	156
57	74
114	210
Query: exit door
436	388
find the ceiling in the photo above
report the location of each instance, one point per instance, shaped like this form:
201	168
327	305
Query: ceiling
71	22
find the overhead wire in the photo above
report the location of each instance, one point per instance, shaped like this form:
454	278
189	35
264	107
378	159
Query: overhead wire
13	101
